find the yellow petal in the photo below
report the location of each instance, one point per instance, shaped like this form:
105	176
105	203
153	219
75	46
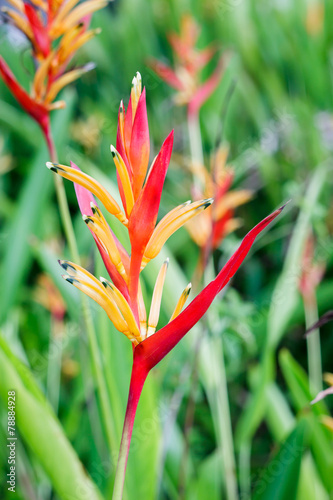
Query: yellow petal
92	185
231	225
231	200
170	223
135	93
21	23
181	302
124	178
62	13
142	313
66	79
42	4
87	283
200	228
63	23
156	300
99	226
18	5
71	48
39	85
123	306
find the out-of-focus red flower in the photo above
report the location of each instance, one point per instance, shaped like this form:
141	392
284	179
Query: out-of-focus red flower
209	228
189	62
56	29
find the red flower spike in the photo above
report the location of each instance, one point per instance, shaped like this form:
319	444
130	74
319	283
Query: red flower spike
39	112
166	74
40	31
206	90
140	147
144	215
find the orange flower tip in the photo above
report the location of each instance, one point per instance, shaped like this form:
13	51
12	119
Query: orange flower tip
121	107
188	289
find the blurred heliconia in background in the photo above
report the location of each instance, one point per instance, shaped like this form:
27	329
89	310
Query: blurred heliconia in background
189	61
140	191
210	227
56	29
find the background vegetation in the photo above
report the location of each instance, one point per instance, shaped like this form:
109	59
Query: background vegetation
250	348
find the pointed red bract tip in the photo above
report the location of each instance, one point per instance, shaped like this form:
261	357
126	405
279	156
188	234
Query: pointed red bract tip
152	350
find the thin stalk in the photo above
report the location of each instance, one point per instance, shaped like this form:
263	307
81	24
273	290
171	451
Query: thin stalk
54	364
313	347
138	378
94	349
225	427
245	470
189	418
194	134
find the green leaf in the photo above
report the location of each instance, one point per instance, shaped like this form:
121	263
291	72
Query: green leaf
41	431
320	439
279	480
35	193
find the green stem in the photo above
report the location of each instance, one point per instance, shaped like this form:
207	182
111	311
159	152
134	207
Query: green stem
138	378
313	347
194	134
94	349
223	411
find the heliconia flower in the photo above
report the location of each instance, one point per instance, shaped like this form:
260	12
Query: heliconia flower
209	228
56	29
189	61
140	191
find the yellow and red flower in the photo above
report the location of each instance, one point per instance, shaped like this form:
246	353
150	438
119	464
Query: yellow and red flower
210	227
189	62
56	29
140	190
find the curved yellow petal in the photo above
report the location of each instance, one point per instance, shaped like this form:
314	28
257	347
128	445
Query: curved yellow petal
64	80
124	178
99	226
154	312
170	223
123	306
92	185
181	302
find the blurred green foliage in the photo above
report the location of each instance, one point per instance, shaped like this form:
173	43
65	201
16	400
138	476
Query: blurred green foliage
279	125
